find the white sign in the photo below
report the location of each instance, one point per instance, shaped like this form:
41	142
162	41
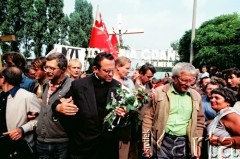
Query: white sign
76	53
159	58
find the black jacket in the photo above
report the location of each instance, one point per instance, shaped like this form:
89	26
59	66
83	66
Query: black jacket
84	129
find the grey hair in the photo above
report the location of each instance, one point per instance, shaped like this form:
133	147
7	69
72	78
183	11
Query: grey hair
183	67
74	60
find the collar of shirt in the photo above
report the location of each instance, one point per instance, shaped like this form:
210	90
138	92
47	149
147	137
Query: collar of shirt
97	79
175	92
139	83
57	84
51	85
14	90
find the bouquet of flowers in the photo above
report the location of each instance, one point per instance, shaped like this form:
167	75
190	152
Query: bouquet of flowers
126	99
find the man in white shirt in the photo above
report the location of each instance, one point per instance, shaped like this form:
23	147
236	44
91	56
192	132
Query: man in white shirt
22	108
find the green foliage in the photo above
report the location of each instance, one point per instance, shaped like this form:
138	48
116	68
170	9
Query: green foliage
26	31
125	47
175	45
80	24
164	69
39	24
12	22
130	100
184	46
54	18
216	43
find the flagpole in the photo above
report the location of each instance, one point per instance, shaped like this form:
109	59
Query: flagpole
89	49
96	15
193	30
94	21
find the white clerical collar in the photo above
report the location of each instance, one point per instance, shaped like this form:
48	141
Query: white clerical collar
101	81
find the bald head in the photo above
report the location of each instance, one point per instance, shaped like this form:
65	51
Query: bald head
12	75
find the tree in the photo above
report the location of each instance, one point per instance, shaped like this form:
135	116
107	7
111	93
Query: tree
184	47
64	30
12	22
216	43
3	10
54	17
80	25
3	14
28	16
18	19
49	27
175	45
39	26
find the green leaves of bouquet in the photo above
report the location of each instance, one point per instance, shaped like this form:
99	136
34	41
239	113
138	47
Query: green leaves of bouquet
130	100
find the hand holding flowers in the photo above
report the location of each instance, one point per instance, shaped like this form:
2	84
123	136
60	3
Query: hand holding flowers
123	103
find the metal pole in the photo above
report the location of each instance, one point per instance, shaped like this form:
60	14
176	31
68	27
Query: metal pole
120	30
193	29
120	38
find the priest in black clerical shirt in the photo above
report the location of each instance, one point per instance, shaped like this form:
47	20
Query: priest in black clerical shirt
82	112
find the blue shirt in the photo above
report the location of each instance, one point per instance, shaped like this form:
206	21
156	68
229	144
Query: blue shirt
14	90
27	83
208	111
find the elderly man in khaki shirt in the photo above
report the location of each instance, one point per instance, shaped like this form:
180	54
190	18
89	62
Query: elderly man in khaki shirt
175	119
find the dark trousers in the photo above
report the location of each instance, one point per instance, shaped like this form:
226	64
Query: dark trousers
106	147
173	147
52	150
19	149
204	148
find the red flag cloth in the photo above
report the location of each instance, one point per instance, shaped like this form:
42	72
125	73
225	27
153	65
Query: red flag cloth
100	38
114	42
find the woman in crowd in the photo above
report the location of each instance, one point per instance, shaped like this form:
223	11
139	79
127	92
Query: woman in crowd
223	131
123	65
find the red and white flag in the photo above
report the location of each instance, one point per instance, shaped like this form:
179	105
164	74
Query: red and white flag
115	44
100	38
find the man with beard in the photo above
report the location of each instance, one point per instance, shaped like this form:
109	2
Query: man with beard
52	140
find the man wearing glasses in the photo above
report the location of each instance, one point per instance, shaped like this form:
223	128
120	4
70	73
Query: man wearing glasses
52	140
175	119
84	109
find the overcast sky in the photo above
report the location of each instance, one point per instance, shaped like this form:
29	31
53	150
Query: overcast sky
163	21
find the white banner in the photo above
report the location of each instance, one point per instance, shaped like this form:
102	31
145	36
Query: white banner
76	53
159	58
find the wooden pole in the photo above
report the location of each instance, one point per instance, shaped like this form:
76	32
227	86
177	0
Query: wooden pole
7	38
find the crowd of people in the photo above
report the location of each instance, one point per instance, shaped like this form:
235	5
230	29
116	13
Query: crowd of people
52	110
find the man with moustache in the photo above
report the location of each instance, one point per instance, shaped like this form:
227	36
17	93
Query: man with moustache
82	112
52	140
